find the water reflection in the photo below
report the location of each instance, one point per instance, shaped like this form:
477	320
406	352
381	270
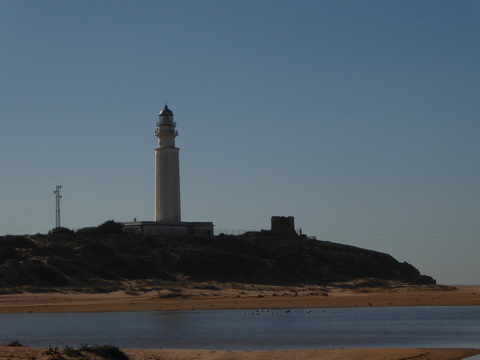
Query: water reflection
251	330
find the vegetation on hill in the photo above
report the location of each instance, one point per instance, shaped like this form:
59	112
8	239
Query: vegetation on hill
103	257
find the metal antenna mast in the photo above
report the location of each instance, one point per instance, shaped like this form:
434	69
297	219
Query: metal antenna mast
57	205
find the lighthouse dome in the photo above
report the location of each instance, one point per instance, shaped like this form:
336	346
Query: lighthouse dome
165	112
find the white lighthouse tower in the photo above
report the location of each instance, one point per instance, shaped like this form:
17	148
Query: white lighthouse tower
167	170
167	221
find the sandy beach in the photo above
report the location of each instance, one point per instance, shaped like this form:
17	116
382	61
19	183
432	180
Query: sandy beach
248	297
7	352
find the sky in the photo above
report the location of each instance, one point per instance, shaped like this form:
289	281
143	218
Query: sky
358	118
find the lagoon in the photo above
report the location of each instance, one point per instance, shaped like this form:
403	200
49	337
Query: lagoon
452	326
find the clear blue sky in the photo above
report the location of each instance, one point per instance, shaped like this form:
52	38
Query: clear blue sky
359	118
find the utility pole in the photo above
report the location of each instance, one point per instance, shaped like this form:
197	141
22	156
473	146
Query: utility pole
57	205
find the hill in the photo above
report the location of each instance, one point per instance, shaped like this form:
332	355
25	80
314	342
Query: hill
104	262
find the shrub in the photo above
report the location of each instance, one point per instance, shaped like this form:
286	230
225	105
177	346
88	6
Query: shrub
108	227
15	343
52	351
72	352
16	241
60	234
109	352
7	253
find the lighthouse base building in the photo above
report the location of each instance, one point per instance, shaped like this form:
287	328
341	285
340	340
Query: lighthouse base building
167	188
156	228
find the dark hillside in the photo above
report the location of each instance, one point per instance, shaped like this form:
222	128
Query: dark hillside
65	259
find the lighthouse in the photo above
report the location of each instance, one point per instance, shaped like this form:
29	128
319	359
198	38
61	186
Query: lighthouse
167	169
167	221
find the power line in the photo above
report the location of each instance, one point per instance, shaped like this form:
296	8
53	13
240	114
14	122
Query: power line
392	227
35	208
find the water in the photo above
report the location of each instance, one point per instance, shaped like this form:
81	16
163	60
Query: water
263	330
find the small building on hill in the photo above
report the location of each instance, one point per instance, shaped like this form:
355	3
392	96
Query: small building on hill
283	226
156	228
